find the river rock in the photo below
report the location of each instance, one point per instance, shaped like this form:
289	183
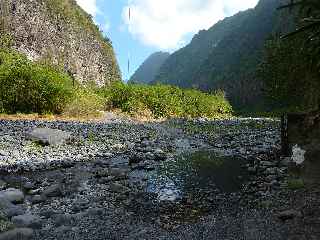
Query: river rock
48	136
118	188
53	191
12	195
62	219
17	234
27	220
3	184
38	199
289	214
118	173
28	186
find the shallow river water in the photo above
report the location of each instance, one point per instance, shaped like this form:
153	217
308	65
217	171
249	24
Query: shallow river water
196	173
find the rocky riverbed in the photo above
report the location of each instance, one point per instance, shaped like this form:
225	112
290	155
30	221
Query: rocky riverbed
128	180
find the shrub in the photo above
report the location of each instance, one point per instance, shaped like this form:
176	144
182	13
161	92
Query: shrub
28	87
85	103
165	101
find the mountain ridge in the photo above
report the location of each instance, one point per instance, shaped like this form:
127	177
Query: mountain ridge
227	55
147	71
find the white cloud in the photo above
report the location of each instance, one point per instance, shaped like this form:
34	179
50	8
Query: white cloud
165	23
90	6
106	26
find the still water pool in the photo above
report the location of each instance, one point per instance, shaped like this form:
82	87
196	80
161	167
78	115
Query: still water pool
196	173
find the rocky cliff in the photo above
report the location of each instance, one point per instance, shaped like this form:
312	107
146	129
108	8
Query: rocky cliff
60	32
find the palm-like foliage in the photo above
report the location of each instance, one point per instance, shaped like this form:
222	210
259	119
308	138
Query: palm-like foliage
310	10
310	26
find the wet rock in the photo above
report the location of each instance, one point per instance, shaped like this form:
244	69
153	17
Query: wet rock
12	195
267	163
18	234
102	173
149	155
9	209
118	173
27	220
285	161
136	158
48	213
3	185
271	171
38	199
118	188
119	162
159	154
28	186
15	180
62	219
63	229
53	191
94	212
252	170
34	192
289	214
80	205
48	136
13	210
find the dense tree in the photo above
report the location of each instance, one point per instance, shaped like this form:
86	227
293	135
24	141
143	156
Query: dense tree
309	27
291	66
291	83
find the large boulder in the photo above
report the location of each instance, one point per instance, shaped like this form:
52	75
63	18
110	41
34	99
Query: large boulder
54	190
9	209
27	220
48	136
12	195
17	234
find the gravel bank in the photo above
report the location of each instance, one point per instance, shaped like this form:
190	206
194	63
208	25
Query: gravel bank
94	186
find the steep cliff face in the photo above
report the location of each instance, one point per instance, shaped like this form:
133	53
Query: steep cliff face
60	32
146	73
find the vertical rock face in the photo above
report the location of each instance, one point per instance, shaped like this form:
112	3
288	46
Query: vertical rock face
60	32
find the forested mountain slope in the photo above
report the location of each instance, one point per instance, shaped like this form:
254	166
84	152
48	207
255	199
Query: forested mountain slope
227	55
146	73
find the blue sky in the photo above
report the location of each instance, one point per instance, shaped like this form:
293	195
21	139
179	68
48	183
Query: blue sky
156	25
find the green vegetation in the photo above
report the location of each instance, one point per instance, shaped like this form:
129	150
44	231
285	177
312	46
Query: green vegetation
28	87
166	101
226	57
85	103
291	83
291	64
6	41
309	27
295	184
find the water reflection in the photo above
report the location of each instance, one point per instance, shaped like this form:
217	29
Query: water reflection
196	174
